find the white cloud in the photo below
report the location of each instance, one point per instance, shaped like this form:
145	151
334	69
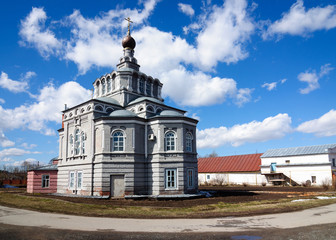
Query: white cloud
225	31
270	128
199	89
4	142
299	21
33	33
92	44
29	75
270	86
186	9
12	85
50	102
229	26
2	101
8	152
243	96
312	78
322	127
28	146
28	160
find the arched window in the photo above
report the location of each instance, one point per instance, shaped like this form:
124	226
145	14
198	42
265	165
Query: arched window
148	88
103	87
97	89
113	82
118	141
77	142
170	141
189	140
83	138
108	84
142	86
71	141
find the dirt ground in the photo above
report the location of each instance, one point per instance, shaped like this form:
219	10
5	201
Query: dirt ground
219	194
325	232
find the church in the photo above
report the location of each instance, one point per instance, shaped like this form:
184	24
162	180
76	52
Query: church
125	141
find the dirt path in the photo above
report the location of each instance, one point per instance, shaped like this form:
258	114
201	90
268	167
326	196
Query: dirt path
314	216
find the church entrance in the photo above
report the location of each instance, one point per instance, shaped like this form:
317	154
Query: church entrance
117	186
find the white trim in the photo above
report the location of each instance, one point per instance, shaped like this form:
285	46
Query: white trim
175	181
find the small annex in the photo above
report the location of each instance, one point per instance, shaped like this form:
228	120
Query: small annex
231	170
43	179
311	165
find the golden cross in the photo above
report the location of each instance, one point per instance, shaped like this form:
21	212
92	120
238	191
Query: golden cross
128	19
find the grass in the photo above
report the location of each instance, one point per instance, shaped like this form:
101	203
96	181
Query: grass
220	209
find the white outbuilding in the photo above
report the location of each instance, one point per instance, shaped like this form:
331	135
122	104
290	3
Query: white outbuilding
315	165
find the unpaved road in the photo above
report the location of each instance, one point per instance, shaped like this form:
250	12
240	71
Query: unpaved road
309	217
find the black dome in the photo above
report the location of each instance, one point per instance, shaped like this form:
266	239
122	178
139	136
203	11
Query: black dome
128	42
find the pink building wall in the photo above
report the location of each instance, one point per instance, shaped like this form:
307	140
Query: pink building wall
34	181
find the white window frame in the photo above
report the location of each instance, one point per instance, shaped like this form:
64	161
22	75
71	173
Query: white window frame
190	178
171	179
118	139
189	142
77	142
83	138
72	180
45	181
79	181
71	141
313	179
208	177
170	141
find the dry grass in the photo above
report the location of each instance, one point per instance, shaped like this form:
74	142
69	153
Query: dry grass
220	209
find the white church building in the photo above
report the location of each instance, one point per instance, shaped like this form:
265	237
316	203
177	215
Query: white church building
125	141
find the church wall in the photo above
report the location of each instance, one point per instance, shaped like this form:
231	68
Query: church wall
134	176
63	180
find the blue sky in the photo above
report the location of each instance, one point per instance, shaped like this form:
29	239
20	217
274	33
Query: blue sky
257	74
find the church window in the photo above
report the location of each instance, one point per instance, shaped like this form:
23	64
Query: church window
71	144
150	109
113	83
118	141
103	87
148	88
109	110
72	180
77	142
99	108
189	141
108	84
45	181
171	178
142	86
170	141
190	178
97	89
83	142
79	180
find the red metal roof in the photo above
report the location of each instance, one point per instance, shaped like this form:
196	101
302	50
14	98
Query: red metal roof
237	163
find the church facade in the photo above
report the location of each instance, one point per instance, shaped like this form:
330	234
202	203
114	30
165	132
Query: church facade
125	141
